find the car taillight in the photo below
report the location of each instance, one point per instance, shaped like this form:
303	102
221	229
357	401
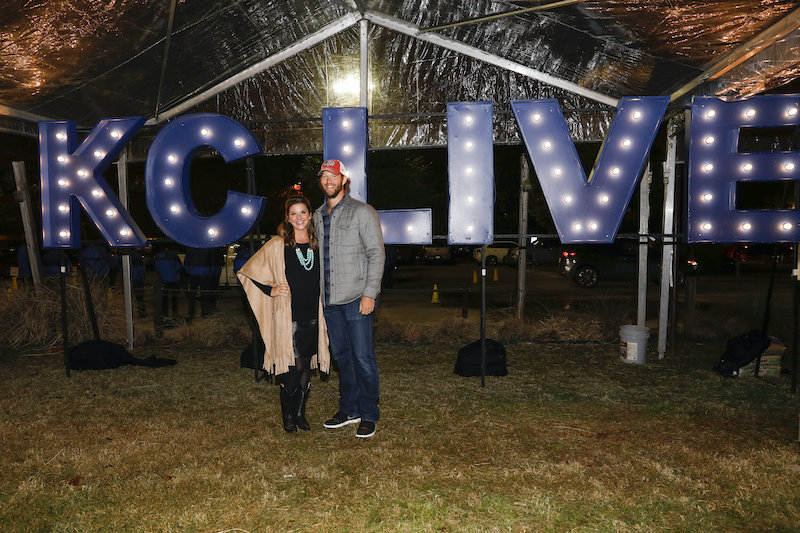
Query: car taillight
567	254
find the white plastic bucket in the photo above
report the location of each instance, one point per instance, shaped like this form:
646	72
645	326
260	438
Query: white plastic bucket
633	343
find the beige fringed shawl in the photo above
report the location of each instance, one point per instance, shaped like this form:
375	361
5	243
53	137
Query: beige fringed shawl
274	315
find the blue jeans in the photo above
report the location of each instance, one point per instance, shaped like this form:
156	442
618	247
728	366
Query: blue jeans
352	347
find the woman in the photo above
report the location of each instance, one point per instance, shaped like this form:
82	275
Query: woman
282	285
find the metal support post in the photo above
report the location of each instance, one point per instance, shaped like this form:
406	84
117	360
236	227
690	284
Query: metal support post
522	258
644	218
669	225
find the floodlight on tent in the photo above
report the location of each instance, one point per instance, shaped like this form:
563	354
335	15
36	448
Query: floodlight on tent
61	157
589	210
167	181
470	171
715	167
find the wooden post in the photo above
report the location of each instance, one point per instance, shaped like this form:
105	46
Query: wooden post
31	238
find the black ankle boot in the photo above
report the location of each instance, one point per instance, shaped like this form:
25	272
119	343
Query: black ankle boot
300	416
287	411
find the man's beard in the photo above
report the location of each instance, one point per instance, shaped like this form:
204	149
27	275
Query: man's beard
335	192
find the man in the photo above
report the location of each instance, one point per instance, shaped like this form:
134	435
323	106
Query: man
352	258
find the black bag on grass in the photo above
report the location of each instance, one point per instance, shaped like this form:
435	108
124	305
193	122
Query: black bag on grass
741	351
253	355
468	362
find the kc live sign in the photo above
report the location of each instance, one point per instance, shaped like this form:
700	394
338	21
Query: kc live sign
583	209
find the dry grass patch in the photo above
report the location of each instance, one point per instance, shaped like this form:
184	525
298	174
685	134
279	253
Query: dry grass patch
570	440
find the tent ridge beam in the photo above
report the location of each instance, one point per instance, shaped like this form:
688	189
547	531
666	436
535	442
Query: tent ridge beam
412	30
744	52
315	38
19	113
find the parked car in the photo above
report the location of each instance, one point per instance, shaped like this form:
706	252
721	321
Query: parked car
587	264
408	254
539	252
437	254
495	252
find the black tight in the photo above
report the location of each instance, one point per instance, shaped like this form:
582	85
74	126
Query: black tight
298	376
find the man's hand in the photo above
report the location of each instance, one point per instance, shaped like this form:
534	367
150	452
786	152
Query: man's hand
367	305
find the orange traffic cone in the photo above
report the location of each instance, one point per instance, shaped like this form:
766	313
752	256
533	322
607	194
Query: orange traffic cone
495	277
435	297
474	276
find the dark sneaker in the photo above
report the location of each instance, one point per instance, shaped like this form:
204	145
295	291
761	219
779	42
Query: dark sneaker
366	429
340	419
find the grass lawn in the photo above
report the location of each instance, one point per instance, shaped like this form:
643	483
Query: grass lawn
571	440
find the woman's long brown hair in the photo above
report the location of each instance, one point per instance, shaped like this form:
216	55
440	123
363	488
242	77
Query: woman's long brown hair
286	230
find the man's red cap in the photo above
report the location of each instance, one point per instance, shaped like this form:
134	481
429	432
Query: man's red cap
334	166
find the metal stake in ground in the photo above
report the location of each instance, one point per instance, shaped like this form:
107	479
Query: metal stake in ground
64	327
483	315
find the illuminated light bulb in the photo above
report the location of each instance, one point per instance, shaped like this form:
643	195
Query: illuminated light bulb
568	199
468	119
110	212
62	182
468	170
536	117
750	113
556	171
246	210
468	145
172	158
345	123
470	199
706	226
593	226
604	198
789	166
347	148
746	226
615	171
116	134
98	154
637	115
212	231
470	228
174	208
747	167
63	208
707	197
97	193
410	228
205	132
577	226
61	136
169	182
786	226
792	111
709	140
124	232
711	113
626	143
708	167
62	159
238	142
82	173
547	145
63	234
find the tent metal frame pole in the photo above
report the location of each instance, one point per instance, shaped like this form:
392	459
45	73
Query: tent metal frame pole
667	256
315	38
127	285
18	113
412	30
644	218
165	58
363	31
522	257
745	51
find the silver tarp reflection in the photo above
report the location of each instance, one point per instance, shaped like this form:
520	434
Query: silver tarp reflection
87	60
